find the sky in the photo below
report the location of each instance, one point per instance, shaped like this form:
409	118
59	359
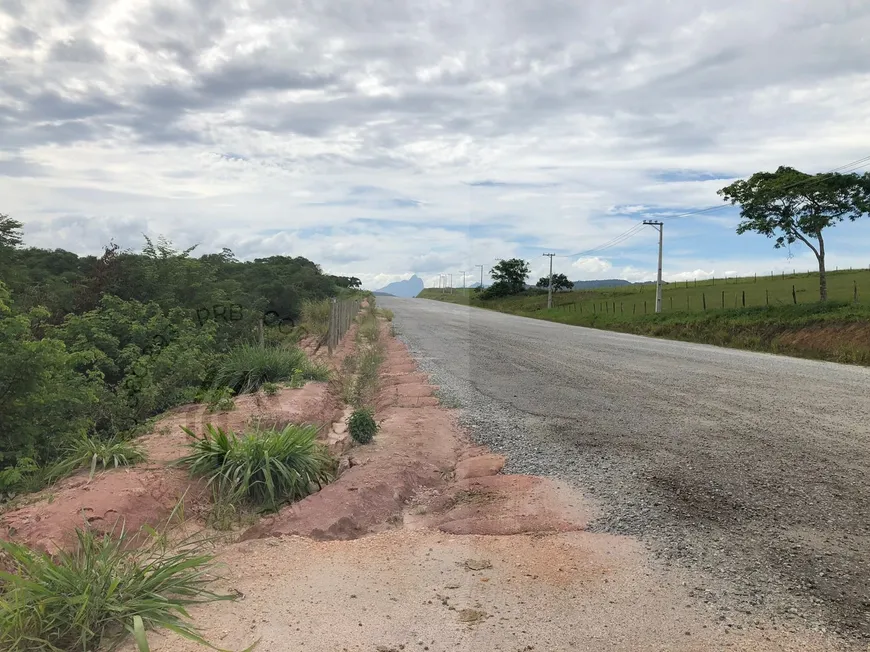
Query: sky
382	138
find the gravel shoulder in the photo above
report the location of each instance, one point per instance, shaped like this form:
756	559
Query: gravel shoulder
748	470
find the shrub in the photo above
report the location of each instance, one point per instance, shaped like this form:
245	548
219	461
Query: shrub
368	330
220	399
246	367
387	314
93	596
270	389
268	467
362	425
88	451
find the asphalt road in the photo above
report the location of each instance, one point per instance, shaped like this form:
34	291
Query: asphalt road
752	469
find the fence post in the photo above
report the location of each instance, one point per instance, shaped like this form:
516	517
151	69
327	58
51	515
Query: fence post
766	297
644	307
621	311
723	299
704	300
614	307
688	308
634	309
744	298
594	309
855	291
793	295
672	303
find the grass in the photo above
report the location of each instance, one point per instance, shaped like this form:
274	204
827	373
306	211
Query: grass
100	593
248	367
386	313
315	316
838	330
267	467
97	453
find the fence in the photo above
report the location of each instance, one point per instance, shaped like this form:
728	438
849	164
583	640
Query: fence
341	314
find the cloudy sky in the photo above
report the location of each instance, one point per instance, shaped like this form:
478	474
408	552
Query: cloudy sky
382	138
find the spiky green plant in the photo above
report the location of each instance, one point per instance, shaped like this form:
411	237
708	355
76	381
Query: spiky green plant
103	453
101	592
270	389
268	467
362	425
247	367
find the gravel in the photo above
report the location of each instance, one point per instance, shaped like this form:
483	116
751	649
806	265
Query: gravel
750	470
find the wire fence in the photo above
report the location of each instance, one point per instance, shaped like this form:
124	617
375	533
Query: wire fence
719	294
341	314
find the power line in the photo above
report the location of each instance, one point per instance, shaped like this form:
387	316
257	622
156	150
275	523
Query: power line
622	237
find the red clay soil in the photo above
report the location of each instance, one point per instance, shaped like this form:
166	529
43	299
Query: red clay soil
416	448
147	493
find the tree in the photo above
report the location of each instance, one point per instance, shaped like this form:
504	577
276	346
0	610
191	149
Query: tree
512	273
560	282
10	231
790	205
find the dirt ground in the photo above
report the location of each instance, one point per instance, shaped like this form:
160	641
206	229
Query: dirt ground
401	554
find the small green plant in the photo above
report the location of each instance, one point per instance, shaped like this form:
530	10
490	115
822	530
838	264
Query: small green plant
362	425
100	593
270	389
297	380
267	467
102	453
386	314
369	330
247	367
220	399
24	477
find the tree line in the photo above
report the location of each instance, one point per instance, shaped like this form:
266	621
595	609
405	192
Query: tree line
95	345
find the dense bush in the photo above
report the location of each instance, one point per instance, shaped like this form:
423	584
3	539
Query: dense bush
95	346
267	467
362	425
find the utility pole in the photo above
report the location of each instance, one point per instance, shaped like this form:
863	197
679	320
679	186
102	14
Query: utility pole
463	279
660	227
481	276
550	285
451	284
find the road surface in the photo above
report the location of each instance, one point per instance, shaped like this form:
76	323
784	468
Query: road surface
752	469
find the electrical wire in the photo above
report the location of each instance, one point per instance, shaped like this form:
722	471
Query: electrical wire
637	228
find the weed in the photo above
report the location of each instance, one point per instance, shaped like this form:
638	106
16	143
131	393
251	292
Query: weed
247	367
297	380
315	316
100	593
220	399
88	451
362	425
386	314
266	467
369	330
270	389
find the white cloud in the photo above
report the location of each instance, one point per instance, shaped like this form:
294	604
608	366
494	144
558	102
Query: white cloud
259	125
588	268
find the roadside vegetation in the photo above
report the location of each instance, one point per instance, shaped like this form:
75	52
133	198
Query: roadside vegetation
96	346
266	468
103	591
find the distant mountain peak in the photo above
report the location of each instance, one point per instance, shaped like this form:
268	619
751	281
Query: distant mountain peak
408	288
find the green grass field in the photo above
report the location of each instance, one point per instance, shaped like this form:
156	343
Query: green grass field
782	314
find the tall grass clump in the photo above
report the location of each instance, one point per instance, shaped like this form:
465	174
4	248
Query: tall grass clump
94	453
247	367
97	595
267	467
315	316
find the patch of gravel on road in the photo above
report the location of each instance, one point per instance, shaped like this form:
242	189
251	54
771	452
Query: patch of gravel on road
741	592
